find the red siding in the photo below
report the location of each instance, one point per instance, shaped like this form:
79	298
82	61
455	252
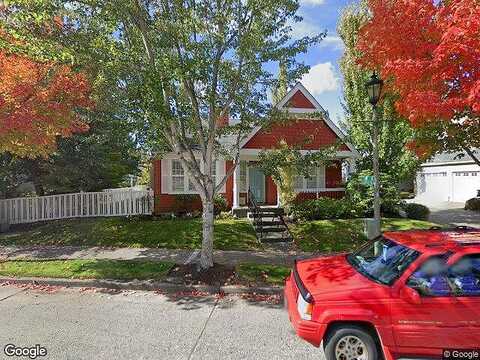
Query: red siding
270	191
165	203
298	100
333	175
313	134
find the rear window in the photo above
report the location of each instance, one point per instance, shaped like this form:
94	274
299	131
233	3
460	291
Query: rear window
383	260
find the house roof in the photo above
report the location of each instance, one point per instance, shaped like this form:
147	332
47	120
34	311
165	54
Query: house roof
300	101
453	158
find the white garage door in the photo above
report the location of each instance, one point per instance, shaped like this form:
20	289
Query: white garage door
465	185
433	187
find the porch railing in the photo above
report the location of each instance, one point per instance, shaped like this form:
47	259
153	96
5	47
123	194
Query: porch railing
255	211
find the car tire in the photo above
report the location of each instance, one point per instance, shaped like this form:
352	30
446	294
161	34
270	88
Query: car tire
350	342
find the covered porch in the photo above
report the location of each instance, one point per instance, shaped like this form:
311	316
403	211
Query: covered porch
325	181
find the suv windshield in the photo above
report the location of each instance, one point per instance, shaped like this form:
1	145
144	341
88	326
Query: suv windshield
382	260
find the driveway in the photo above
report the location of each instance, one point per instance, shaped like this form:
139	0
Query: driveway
74	324
453	214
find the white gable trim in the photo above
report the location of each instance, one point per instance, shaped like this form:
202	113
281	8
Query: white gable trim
304	91
254	131
318	108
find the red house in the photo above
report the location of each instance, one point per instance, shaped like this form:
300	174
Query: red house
170	181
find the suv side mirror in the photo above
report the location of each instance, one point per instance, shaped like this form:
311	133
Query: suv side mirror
410	295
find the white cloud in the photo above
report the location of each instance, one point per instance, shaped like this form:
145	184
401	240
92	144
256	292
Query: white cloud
334	42
312	2
321	78
305	28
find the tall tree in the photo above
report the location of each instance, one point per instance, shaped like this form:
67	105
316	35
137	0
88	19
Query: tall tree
395	132
189	63
429	51
39	101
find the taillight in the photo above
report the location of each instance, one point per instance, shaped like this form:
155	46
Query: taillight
305	309
304	298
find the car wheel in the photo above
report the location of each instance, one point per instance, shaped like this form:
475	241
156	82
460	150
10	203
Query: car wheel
350	343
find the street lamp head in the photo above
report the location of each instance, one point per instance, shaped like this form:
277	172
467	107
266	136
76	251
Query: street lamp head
374	89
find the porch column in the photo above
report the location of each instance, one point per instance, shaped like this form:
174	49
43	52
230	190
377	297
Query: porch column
236	179
278	198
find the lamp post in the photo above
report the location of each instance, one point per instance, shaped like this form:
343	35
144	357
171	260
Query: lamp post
374	89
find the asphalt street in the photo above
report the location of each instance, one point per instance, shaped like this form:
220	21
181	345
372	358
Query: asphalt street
75	324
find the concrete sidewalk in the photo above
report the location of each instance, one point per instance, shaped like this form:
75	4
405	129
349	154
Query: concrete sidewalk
36	252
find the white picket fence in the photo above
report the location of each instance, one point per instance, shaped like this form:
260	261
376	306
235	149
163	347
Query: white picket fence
78	205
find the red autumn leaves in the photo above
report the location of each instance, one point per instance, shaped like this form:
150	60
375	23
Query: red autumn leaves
38	102
430	53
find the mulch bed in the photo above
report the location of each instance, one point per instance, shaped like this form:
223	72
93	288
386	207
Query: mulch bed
190	274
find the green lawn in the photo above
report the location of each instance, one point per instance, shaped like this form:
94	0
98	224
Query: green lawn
87	269
343	235
269	274
120	232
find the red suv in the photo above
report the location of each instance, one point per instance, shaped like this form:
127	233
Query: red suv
405	294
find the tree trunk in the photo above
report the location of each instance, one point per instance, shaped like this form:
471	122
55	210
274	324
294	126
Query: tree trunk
36	173
206	259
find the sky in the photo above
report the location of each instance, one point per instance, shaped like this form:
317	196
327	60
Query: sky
324	80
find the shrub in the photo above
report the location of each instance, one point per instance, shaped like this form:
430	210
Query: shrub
219	205
417	211
473	204
322	208
225	215
360	195
184	203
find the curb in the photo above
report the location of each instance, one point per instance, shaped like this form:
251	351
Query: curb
143	286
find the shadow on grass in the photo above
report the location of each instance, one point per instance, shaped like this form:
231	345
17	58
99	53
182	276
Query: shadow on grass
230	234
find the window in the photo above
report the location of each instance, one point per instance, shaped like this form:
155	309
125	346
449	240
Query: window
214	172
191	186
316	180
178	177
298	183
431	278
439	174
382	260
243	176
312	180
464	276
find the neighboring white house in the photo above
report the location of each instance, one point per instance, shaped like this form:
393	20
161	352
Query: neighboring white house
448	177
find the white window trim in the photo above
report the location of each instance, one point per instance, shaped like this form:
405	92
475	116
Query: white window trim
320	181
187	179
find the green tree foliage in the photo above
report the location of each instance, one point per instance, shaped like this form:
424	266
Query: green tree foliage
184	65
286	162
99	159
395	132
360	194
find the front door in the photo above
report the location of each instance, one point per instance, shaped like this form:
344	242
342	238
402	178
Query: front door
256	179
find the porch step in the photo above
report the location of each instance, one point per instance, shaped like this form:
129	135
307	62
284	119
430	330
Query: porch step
270	211
268	223
272	229
271	240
